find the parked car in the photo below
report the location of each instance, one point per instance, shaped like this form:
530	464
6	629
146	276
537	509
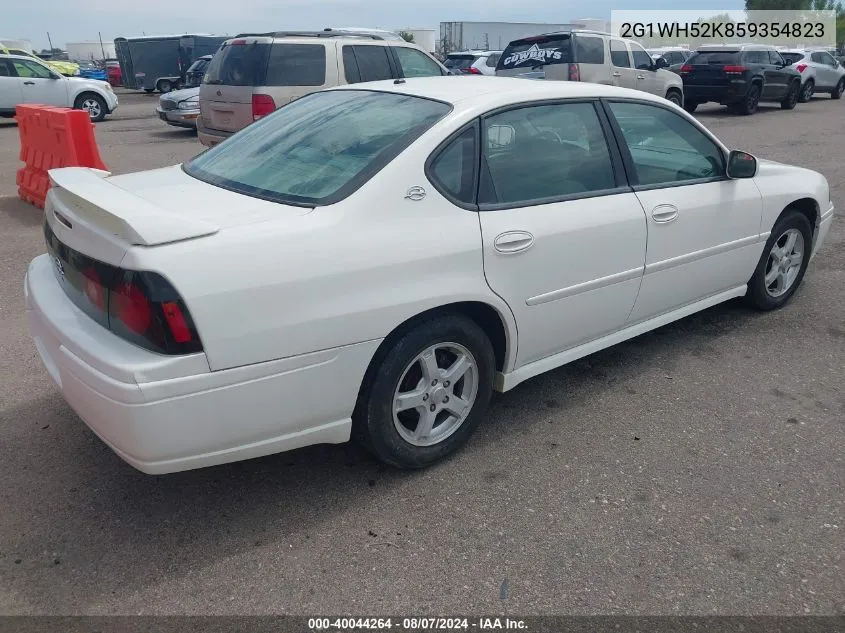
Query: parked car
25	80
90	70
252	75
66	68
820	72
473	62
591	56
739	77
180	108
196	71
672	55
191	315
113	72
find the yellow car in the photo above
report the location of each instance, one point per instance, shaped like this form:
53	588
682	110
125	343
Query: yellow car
69	69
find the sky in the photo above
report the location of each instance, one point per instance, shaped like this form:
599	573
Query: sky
80	20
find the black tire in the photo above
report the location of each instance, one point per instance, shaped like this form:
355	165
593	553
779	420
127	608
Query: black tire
164	86
690	106
758	295
675	97
373	421
748	106
149	91
98	112
791	99
807	91
840	88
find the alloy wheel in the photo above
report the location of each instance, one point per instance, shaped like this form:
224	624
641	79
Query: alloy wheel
93	106
435	394
785	260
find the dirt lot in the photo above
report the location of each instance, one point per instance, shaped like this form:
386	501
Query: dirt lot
697	469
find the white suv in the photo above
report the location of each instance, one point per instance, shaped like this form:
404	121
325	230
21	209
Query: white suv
473	62
592	56
25	80
820	72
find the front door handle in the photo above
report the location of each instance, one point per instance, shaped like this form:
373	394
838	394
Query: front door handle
617	74
513	242
664	213
640	76
29	83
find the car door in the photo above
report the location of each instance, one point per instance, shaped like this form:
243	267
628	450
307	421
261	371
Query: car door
826	75
39	84
11	92
703	228
622	72
647	78
563	236
777	77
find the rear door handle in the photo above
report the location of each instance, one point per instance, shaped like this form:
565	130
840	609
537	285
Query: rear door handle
640	76
29	83
513	242
664	213
617	74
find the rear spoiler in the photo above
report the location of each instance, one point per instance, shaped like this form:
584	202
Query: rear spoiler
143	223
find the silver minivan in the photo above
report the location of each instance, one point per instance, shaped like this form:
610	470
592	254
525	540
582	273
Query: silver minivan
592	56
252	75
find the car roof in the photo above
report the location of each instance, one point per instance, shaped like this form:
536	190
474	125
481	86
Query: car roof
497	91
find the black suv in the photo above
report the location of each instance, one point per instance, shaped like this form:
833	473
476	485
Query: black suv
739	77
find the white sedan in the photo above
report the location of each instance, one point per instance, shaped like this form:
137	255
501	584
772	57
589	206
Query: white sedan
373	260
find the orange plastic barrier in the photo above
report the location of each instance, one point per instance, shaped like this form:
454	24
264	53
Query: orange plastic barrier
50	138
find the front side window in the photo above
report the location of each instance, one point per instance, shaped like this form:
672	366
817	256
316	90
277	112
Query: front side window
666	148
642	60
776	59
756	57
320	148
544	151
453	169
31	69
416	64
296	65
619	54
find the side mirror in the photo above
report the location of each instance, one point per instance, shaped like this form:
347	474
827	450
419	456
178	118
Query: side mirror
741	165
661	63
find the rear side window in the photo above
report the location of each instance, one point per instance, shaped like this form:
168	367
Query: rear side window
415	63
459	62
239	65
589	50
756	57
792	58
4	69
453	169
715	57
536	51
296	65
619	54
318	149
366	63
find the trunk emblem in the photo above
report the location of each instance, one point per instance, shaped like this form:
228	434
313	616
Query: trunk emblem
59	266
415	193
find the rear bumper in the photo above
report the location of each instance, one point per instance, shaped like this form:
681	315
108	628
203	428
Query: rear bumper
164	414
210	137
723	93
179	118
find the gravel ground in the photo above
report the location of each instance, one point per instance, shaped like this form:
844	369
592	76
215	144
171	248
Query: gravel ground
697	469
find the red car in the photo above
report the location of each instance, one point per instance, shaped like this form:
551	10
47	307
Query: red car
115	76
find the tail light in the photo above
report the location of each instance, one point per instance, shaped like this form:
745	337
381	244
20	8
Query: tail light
473	71
574	72
262	105
140	307
686	68
801	67
734	70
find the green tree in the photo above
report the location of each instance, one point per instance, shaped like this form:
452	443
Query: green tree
408	37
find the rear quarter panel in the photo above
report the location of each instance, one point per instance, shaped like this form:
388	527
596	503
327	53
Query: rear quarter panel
338	275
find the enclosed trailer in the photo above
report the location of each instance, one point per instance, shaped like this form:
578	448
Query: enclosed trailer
159	62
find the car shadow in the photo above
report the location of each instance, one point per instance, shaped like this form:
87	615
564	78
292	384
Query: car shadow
185	521
21	212
724	112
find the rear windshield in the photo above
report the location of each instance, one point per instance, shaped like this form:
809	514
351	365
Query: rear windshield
714	57
459	61
536	51
792	58
320	148
264	64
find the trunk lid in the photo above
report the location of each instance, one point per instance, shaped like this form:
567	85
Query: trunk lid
226	108
102	216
